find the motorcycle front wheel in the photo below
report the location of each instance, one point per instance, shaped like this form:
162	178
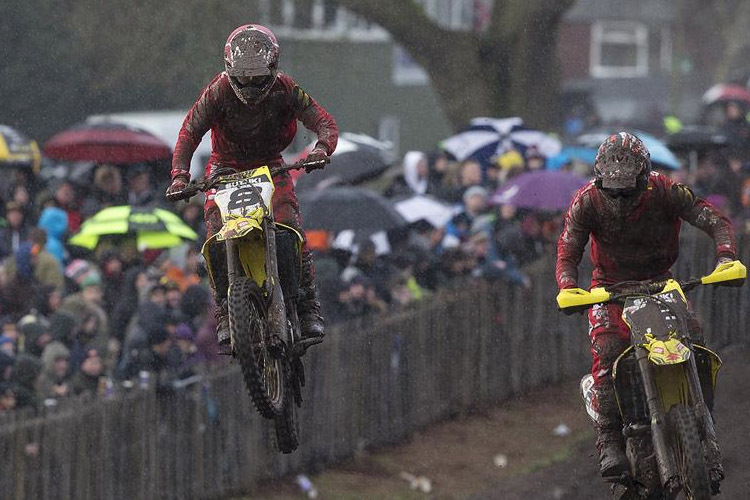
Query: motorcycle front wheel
689	455
263	373
287	423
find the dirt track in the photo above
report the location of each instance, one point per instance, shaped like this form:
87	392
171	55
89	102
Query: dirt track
576	478
458	455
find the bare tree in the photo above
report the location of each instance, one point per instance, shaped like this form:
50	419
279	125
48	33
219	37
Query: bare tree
511	68
716	37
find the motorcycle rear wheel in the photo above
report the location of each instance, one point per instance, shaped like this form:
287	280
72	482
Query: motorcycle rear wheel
263	373
691	461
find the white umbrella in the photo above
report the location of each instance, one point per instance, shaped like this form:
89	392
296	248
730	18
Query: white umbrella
425	208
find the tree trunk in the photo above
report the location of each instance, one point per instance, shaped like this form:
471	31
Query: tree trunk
511	70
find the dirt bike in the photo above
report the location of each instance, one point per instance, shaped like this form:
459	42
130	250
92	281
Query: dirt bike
664	384
263	269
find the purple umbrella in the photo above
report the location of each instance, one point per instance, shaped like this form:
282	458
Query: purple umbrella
542	190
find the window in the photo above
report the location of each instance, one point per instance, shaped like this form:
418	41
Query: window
619	50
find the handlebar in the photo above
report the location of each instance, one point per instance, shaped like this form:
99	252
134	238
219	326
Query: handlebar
207	184
578	300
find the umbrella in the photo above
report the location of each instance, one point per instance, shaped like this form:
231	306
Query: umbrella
357	158
726	92
541	190
486	138
18	150
153	227
698	138
338	208
106	142
425	208
661	156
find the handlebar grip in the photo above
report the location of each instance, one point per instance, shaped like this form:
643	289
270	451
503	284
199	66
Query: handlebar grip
185	194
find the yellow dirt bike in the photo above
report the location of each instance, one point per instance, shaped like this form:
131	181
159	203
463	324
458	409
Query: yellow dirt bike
664	383
263	269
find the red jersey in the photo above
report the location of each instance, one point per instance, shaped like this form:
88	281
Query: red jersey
243	135
645	244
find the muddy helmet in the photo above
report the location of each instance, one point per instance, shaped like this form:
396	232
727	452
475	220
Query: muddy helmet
251	59
622	163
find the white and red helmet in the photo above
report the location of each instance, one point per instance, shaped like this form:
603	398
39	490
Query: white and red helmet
251	52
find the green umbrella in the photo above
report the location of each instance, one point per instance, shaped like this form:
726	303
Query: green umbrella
153	227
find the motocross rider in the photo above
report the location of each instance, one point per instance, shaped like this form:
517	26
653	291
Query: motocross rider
632	216
252	110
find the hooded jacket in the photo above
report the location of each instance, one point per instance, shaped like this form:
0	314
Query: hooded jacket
54	221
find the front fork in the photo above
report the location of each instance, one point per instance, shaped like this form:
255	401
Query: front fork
706	421
277	320
664	458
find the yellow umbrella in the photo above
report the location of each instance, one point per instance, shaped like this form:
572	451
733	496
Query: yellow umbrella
18	150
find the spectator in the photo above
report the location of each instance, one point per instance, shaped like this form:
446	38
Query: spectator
13	233
107	190
6	366
414	180
184	339
54	221
26	270
65	198
35	338
192	215
468	174
134	290
86	304
375	268
534	160
86	379
7	397
27	372
56	372
474	204
140	188
8	346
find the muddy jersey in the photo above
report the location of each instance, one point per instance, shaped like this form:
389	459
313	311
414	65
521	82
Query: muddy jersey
243	135
645	244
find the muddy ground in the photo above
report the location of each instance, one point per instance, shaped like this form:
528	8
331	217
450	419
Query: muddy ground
461	457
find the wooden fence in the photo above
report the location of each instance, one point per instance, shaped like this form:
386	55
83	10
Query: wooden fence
372	383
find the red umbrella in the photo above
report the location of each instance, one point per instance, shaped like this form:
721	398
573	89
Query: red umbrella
726	92
106	143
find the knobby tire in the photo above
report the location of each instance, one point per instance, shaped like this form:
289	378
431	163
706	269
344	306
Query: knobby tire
264	375
691	461
287	423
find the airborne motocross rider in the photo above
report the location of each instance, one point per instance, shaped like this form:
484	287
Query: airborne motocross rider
252	110
633	217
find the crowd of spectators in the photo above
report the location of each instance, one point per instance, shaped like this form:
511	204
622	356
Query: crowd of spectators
92	322
80	322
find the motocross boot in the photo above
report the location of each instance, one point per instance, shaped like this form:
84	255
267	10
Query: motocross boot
612	460
308	306
609	440
219	287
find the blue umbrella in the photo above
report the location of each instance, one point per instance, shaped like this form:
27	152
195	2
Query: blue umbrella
661	156
486	138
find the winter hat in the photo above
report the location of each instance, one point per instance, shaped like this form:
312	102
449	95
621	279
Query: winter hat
411	173
184	332
52	352
474	191
26	370
62	325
